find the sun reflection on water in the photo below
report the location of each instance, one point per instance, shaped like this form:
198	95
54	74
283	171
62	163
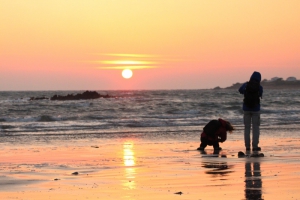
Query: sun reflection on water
129	163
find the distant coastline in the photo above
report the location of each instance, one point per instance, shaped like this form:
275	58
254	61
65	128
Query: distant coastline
274	83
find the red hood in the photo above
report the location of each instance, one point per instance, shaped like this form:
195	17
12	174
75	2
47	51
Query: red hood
223	122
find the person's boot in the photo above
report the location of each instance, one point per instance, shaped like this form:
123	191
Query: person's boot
200	148
217	148
256	149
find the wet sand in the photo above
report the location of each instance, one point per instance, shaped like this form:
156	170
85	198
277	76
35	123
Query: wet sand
138	169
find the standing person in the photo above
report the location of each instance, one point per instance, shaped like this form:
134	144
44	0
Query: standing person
213	133
252	91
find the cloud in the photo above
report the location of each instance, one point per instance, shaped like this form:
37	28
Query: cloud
127	61
127	67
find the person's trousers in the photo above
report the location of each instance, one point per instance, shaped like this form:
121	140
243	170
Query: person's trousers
251	118
205	142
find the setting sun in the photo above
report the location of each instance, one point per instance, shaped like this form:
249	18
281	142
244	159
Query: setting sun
127	73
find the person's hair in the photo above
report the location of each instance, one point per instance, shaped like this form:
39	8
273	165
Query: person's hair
229	127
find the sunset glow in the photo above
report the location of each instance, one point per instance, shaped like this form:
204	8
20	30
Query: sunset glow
127	62
198	44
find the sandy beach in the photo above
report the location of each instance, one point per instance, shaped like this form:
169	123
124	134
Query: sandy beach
133	168
106	100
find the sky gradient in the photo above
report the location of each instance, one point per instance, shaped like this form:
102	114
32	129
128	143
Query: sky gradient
169	44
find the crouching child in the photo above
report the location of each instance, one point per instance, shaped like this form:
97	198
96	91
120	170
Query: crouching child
213	133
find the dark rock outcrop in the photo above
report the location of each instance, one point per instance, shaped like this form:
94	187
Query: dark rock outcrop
277	84
80	96
38	98
217	88
85	95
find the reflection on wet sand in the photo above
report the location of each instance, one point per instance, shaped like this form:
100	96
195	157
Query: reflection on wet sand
129	163
253	182
216	168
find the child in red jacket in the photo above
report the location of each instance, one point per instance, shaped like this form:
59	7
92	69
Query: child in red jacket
213	133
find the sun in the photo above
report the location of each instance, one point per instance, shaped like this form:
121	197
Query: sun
127	73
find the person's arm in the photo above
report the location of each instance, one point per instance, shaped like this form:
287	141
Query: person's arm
261	90
222	134
223	137
242	88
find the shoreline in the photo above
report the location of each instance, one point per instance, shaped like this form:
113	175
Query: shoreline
132	168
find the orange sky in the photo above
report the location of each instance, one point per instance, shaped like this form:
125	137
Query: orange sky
169	44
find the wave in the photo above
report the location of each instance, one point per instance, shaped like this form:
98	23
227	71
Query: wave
280	111
177	111
4	127
139	110
46	118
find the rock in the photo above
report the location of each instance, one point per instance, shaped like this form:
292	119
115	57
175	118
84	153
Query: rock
37	98
85	95
257	155
180	193
75	173
80	96
241	154
217	88
274	83
291	79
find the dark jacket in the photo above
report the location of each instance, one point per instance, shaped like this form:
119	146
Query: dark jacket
257	77
220	134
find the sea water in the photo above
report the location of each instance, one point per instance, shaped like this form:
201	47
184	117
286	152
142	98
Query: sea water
155	114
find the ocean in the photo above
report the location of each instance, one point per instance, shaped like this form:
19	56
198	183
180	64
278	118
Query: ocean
149	114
